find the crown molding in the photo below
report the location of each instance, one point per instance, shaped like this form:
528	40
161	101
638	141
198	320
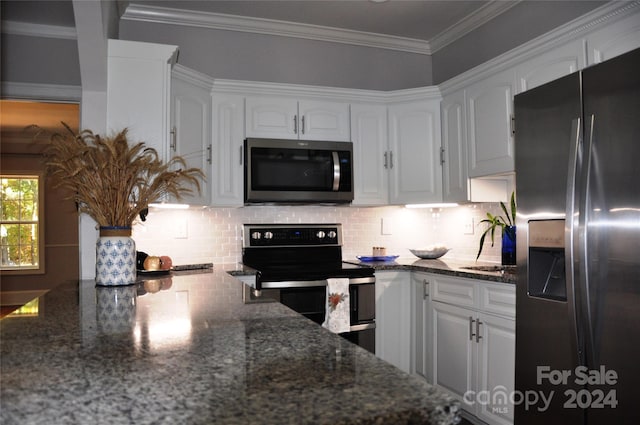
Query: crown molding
38	30
469	23
606	14
54	92
219	21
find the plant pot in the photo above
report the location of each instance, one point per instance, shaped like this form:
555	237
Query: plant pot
115	257
509	246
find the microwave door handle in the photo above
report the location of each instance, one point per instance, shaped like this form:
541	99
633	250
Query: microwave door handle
336	171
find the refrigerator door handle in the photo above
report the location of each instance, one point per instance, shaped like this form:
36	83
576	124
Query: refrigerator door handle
571	227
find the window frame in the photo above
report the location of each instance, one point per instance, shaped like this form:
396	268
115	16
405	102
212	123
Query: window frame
40	269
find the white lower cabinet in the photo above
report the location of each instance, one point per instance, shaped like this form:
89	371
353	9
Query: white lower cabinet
474	350
393	318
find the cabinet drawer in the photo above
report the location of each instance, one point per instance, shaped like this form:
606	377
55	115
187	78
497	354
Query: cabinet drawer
457	291
498	299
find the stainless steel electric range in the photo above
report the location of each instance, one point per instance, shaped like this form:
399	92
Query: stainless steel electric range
293	263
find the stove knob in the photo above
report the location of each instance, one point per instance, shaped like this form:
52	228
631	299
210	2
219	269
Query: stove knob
256	235
268	235
320	234
332	235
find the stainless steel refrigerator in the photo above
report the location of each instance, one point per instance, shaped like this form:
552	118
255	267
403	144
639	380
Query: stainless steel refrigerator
577	160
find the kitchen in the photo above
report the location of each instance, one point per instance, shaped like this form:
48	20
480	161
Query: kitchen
212	234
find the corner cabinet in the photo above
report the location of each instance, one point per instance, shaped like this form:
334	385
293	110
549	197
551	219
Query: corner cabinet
228	137
191	127
413	159
288	118
473	331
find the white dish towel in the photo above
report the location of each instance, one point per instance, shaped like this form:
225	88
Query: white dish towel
337	318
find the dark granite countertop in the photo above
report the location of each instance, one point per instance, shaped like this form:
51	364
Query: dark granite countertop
183	348
445	267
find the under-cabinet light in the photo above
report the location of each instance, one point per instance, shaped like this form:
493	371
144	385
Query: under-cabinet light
169	206
430	205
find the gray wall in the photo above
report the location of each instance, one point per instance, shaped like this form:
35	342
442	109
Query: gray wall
255	57
521	23
39	60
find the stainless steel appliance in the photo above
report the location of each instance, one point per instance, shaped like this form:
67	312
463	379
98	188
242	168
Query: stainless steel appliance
297	171
294	263
578	248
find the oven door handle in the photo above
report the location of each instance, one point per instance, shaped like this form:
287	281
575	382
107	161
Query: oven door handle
294	284
312	283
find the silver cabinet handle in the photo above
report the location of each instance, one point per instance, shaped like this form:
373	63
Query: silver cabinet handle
390	159
302	124
478	336
173	144
425	282
241	157
295	124
209	155
441	156
471	334
386	165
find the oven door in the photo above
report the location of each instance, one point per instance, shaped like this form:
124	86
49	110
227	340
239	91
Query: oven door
309	299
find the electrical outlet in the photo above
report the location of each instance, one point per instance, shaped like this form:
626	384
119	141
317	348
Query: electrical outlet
386	226
468	226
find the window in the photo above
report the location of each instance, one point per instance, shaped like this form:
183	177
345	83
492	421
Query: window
21	229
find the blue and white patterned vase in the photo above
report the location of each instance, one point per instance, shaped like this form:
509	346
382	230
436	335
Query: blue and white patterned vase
115	257
116	308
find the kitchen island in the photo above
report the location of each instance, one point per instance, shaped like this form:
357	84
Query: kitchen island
185	348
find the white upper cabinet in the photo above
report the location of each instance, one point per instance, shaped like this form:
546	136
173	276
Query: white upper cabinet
288	118
454	148
614	40
191	127
369	137
139	91
413	158
489	112
228	138
551	65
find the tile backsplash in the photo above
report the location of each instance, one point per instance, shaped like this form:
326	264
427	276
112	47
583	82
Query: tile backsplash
199	235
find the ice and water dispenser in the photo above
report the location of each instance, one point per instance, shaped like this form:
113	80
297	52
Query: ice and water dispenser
547	260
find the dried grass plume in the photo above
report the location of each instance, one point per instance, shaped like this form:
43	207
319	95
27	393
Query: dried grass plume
111	180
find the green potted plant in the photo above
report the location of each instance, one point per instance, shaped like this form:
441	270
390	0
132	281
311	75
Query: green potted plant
114	181
507	226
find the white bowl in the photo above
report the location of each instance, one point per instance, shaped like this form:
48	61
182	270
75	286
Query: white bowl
430	252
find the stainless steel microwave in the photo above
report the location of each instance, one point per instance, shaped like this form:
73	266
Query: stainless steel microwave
297	171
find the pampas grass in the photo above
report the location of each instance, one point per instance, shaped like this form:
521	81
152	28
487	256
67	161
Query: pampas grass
111	180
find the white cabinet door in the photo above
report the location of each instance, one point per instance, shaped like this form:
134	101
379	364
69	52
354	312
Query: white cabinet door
454	347
228	138
288	118
614	40
319	120
496	369
549	66
490	143
271	117
393	318
422	340
455	175
191	129
369	137
414	152
139	91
